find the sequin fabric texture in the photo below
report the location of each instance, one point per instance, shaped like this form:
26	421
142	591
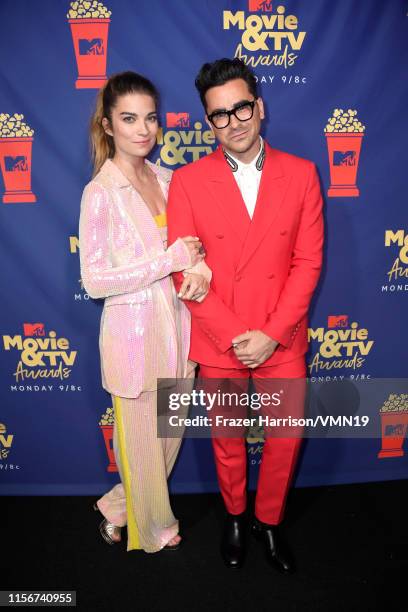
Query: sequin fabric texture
145	328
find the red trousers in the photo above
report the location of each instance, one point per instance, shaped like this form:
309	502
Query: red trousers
279	453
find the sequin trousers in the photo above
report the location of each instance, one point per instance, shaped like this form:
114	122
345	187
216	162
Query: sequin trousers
141	499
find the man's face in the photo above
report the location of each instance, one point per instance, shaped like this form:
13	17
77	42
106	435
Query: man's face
240	138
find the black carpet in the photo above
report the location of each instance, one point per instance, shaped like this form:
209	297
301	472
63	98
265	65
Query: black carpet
350	543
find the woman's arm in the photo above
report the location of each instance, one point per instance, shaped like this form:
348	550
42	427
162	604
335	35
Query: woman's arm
100	278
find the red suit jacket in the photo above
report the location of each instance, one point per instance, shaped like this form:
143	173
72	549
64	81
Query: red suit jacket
264	270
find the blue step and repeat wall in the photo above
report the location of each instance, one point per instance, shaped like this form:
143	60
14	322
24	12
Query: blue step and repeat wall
332	74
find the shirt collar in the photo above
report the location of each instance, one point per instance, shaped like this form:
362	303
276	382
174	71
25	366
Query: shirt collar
257	163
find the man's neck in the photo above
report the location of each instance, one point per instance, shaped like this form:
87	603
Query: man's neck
247	156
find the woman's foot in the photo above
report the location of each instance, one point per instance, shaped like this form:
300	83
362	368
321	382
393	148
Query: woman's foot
174	543
111	533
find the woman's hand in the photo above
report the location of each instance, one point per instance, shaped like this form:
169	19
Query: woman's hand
194	287
195	248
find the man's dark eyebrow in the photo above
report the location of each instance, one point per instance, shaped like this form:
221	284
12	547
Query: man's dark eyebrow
224	110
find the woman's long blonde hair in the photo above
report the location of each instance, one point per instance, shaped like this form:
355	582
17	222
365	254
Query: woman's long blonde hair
102	144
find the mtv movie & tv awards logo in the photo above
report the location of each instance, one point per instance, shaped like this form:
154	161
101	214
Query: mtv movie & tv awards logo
397	274
344	136
182	142
6	443
16	140
41	357
342	346
80	294
89	21
268	37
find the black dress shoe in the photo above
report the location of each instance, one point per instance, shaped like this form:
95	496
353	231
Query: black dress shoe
233	542
269	535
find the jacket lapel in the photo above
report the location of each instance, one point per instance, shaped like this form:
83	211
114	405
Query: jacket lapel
133	206
227	196
271	194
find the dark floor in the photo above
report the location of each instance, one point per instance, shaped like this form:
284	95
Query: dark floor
350	543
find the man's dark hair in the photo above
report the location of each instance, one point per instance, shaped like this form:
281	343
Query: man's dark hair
220	72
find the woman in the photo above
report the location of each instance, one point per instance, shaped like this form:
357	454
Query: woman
145	328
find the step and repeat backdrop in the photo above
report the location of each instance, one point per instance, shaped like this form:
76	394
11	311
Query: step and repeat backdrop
332	74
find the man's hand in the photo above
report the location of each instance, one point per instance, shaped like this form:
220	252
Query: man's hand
253	347
194	287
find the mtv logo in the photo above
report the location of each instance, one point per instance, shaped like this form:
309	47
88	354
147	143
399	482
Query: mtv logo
34	329
337	321
394	430
91	47
16	164
178	120
260	5
344	158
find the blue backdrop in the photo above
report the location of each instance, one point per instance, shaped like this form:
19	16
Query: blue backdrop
315	61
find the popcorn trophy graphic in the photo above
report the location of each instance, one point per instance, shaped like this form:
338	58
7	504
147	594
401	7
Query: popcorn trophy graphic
89	21
106	425
15	158
394	423
344	135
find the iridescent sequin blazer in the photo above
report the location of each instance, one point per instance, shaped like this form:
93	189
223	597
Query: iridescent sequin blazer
145	328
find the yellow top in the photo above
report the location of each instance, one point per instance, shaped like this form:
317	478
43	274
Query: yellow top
161	220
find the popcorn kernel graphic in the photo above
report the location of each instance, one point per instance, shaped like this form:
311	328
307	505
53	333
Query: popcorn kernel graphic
344	121
14	126
107	417
85	9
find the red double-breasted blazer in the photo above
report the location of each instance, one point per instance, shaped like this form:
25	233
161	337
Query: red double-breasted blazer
265	269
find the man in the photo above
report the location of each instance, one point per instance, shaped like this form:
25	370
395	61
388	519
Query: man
258	213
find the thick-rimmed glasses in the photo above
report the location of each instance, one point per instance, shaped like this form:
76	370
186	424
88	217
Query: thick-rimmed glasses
243	112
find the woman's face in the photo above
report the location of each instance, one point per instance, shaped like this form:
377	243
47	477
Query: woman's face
134	125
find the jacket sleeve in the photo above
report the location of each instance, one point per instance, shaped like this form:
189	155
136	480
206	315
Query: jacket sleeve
216	320
100	278
294	300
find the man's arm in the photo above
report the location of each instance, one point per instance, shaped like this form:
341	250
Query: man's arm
216	320
306	262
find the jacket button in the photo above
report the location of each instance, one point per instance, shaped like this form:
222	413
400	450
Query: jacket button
283	232
219	235
271	276
238	278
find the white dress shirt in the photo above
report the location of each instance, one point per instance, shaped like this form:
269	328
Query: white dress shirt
248	177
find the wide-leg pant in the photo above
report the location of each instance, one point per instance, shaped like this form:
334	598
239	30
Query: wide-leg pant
141	500
279	453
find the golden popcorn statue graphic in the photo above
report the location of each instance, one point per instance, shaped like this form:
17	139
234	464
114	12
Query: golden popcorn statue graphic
16	139
394	422
106	425
89	21
344	135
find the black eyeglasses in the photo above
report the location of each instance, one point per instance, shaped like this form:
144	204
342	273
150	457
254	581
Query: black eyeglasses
243	112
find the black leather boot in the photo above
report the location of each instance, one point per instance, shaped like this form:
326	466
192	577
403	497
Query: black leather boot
233	541
269	536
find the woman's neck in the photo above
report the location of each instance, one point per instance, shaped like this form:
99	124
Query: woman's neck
133	169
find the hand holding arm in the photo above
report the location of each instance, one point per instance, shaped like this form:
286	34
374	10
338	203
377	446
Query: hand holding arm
99	276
